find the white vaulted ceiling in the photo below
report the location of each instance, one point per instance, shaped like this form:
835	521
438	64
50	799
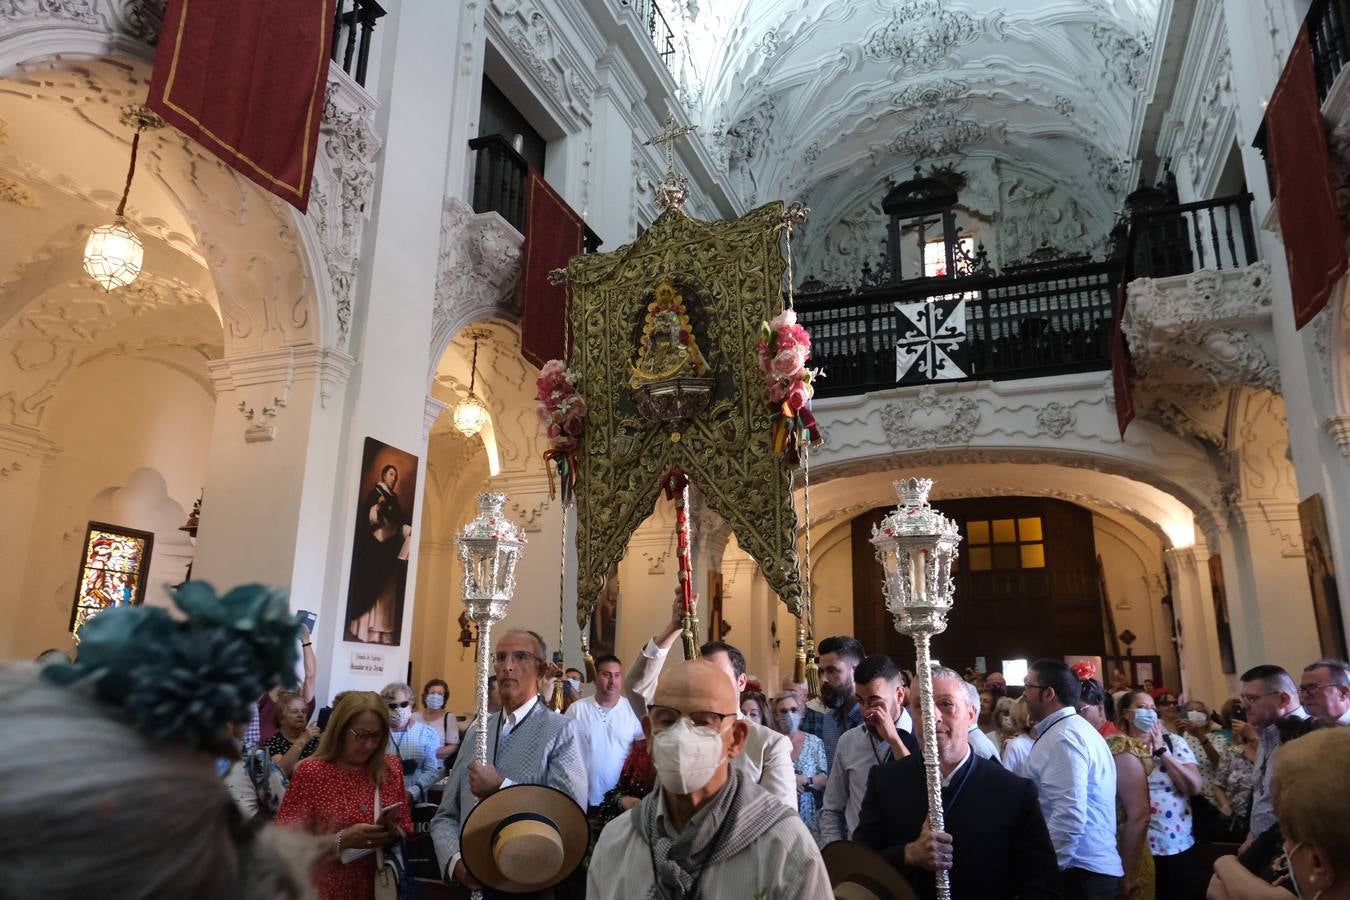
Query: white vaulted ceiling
1037	103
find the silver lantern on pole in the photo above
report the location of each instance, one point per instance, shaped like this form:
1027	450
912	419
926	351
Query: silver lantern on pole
916	545
489	548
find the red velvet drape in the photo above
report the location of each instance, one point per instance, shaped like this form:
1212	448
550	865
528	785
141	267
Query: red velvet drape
554	233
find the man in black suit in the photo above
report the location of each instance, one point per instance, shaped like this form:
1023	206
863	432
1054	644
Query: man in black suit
995	844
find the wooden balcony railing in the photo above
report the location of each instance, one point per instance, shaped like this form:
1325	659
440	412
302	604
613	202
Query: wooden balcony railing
1329	30
1044	319
352	29
1177	240
1040	320
500	182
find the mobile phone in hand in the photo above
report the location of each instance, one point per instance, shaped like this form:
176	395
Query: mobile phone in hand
307	619
387	814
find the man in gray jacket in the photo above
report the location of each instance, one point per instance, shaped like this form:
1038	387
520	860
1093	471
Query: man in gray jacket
528	743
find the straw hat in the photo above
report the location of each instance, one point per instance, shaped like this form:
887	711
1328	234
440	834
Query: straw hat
524	838
859	873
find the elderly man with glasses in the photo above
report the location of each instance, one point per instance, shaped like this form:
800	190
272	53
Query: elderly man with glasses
528	743
1325	691
707	830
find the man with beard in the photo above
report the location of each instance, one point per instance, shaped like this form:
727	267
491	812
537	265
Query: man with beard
994	841
836	710
884	734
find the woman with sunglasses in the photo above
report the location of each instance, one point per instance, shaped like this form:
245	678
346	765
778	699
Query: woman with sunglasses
334	795
414	743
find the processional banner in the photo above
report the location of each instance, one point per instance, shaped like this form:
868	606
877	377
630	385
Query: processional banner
686	297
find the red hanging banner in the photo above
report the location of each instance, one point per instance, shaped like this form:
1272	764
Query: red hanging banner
1122	368
554	233
246	80
1309	219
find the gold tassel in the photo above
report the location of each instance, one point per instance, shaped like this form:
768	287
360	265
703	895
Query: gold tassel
556	703
812	669
587	660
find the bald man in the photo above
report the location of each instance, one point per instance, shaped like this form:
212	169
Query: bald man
706	829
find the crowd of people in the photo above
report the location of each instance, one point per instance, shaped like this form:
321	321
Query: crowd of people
694	781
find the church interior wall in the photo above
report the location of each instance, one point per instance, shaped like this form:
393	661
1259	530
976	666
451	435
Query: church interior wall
133	457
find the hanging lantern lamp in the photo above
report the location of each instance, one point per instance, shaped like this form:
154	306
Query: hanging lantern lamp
113	253
471	415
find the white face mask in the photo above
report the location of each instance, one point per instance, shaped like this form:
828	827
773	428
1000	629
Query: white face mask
1293	881
790	721
435	701
399	717
1196	717
575	684
685	757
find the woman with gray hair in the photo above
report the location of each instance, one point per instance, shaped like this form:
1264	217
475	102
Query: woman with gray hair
155	700
414	742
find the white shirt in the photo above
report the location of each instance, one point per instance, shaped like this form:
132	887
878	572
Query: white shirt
1076	777
980	743
782	864
1015	753
605	734
947	779
513	718
857	753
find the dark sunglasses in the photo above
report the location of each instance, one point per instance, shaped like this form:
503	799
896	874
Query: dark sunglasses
404	705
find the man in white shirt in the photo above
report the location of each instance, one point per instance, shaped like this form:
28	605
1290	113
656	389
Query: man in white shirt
1325	691
707	830
767	756
606	729
1076	776
885	733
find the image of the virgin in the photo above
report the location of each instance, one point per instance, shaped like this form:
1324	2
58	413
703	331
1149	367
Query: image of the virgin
382	531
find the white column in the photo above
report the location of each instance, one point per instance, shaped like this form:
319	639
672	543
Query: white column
392	315
24	452
1202	675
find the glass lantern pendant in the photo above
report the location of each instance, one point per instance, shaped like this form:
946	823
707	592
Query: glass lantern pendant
113	255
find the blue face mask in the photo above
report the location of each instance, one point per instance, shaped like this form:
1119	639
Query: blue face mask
1145	718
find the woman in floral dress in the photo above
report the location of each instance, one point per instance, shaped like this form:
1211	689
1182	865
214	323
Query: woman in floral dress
333	794
808	757
1234	776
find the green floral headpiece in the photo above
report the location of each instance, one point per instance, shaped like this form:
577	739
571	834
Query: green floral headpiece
185	679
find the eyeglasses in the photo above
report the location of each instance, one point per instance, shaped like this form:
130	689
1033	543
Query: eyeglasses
1310	690
663	717
519	657
1249	699
1038	687
404	705
366	737
1165	702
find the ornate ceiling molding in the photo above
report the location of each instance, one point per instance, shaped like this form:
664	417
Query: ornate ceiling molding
930	421
477	274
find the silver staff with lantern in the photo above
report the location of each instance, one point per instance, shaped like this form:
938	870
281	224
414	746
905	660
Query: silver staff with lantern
916	545
489	548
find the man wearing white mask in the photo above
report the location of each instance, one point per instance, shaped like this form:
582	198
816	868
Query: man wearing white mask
707	830
767	756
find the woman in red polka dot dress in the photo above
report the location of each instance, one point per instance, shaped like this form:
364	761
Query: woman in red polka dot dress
332	794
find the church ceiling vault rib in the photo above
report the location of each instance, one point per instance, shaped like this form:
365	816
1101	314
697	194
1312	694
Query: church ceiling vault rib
833	101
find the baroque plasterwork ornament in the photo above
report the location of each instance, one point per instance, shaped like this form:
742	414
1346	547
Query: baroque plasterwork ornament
1126	54
532	39
937	133
921	35
344	180
930	93
477	272
81	11
13	192
930	420
1203	324
259	384
141	19
1055	419
1339	429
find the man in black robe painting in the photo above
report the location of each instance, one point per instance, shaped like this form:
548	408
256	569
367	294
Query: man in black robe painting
379	564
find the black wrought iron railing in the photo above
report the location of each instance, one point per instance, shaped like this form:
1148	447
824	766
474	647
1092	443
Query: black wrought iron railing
352	28
1040	320
657	28
1329	31
1177	240
501	179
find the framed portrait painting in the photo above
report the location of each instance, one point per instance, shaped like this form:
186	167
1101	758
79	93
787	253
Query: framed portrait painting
382	539
1312	518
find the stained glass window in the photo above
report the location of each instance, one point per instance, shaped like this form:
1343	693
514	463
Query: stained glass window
112	572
